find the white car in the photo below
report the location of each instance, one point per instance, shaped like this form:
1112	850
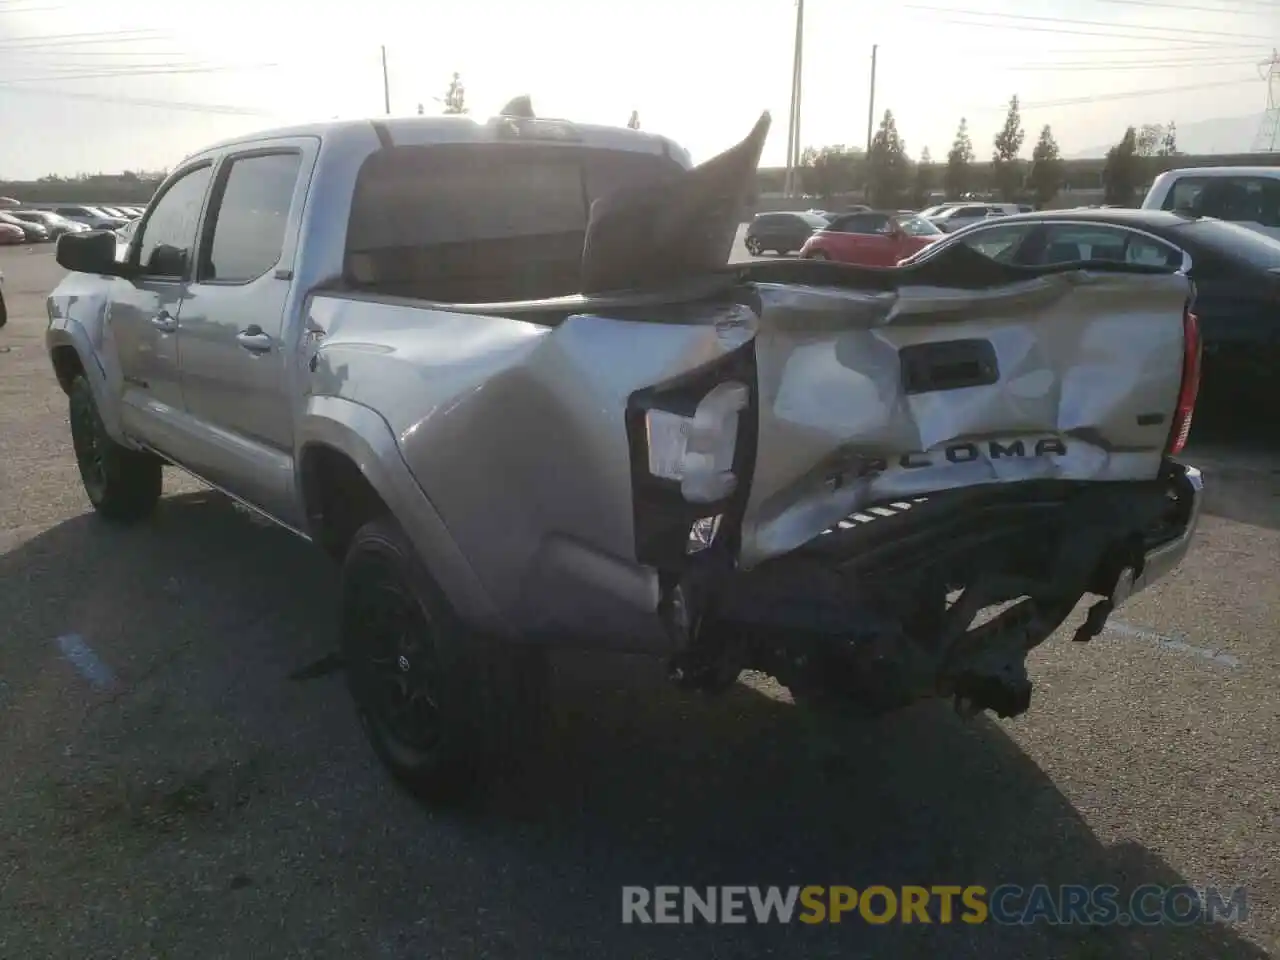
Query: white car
1249	196
953	218
124	236
95	218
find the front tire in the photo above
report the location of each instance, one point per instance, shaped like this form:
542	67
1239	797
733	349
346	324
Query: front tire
439	704
122	484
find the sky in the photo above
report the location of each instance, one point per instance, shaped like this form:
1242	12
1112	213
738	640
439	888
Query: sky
102	87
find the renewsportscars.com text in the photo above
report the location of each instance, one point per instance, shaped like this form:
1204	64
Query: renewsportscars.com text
1006	904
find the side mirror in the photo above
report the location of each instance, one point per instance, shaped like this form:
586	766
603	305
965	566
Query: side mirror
166	260
92	252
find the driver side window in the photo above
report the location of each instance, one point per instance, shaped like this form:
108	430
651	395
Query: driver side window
166	241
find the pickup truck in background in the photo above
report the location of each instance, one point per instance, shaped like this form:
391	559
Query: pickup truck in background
503	373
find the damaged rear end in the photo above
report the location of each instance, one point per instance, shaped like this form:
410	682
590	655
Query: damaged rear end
890	494
904	480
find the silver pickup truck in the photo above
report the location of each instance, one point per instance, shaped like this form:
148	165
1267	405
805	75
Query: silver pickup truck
504	374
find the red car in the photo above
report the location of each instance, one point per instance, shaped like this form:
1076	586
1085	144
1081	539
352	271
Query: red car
871	238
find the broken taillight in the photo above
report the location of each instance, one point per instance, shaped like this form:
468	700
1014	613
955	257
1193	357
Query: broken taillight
1190	385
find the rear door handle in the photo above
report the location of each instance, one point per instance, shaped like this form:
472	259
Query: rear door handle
254	340
164	322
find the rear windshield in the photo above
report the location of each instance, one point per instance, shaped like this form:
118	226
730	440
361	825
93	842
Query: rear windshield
1235	241
477	223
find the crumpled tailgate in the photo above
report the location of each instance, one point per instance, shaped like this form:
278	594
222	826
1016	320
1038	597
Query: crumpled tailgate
866	395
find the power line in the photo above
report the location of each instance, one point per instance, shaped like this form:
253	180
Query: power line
1135	65
1108	35
22	44
1134	94
54	50
1080	23
143	72
1261	11
180	105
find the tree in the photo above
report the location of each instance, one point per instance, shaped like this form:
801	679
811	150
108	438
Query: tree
887	165
634	122
1149	138
1169	143
1004	161
959	162
924	179
455	98
828	171
1122	173
1045	177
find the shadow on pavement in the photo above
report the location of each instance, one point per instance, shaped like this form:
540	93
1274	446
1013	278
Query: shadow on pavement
208	799
1236	442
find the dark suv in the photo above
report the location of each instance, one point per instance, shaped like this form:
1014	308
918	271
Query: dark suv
781	232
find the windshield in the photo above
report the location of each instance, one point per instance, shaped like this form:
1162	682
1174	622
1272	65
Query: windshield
1235	241
918	227
817	221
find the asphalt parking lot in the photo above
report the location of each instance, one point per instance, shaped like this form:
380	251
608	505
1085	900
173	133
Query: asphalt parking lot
178	783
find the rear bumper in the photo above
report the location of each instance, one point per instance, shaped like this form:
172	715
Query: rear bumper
944	595
1160	560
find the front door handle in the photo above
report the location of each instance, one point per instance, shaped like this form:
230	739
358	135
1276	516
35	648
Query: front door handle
163	321
254	340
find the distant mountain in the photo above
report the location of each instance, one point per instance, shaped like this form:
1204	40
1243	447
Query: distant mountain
1219	135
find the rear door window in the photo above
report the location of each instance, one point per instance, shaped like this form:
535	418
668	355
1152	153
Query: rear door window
1070	243
250	217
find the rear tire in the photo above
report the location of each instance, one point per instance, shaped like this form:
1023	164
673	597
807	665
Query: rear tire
442	707
753	247
122	484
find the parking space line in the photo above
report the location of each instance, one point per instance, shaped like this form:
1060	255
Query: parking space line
79	654
1175	643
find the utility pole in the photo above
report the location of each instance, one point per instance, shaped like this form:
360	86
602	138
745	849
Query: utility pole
386	83
793	124
1268	135
871	119
871	101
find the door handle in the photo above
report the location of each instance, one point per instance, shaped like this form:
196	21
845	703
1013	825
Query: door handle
164	322
254	340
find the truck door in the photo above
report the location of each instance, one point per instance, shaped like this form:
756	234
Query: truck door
143	313
236	363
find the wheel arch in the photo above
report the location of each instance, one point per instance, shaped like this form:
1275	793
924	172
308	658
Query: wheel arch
349	468
71	355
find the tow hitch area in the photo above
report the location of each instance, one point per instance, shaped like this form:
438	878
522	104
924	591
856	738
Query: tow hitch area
940	596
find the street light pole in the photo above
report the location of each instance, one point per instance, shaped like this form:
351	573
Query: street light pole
793	128
386	83
871	101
